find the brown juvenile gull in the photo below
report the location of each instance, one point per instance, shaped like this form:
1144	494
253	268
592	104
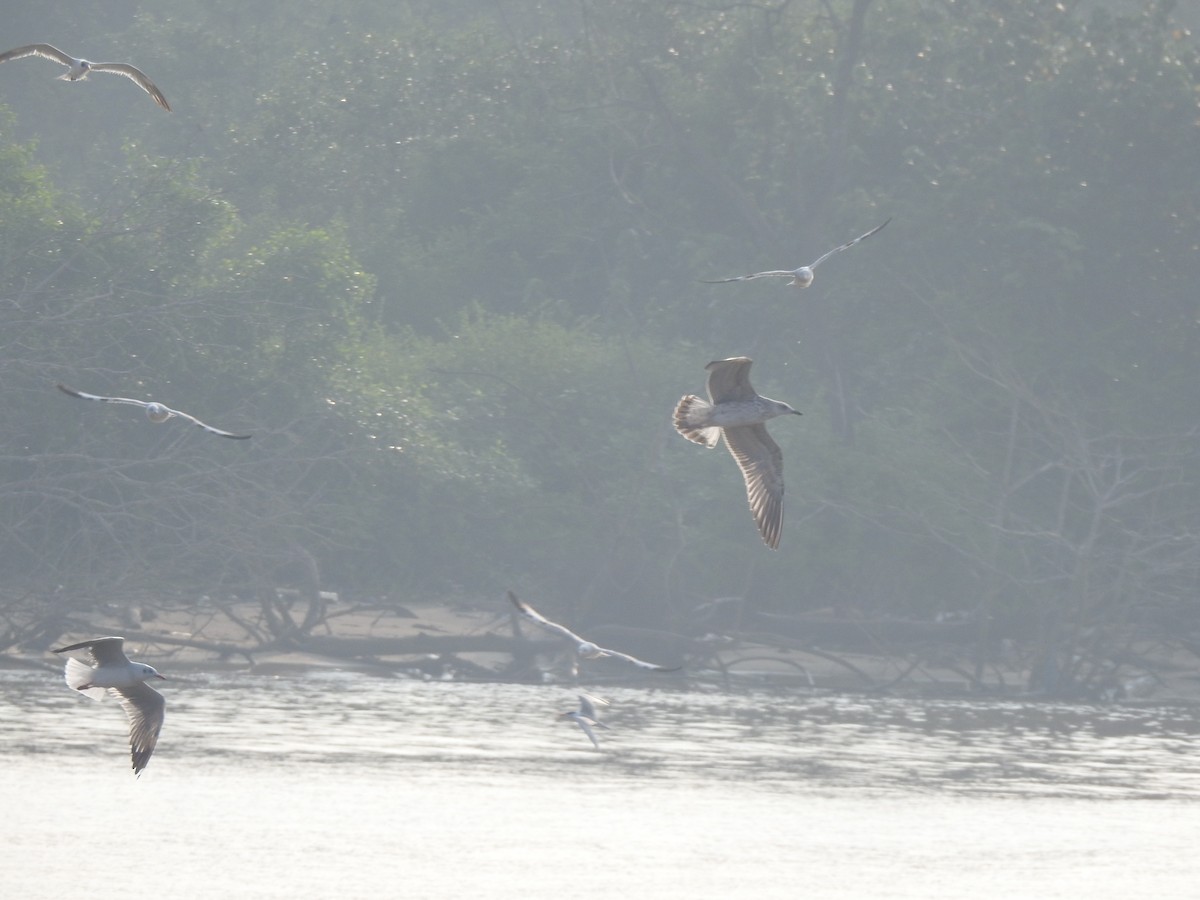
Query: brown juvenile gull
738	412
803	276
79	69
155	412
585	717
114	674
583	647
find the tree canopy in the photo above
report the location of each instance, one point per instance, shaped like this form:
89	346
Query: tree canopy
443	260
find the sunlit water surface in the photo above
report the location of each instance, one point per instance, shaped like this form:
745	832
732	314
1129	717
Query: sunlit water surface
346	785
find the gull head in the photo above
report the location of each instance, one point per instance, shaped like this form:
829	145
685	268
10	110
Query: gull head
779	408
157	413
146	672
588	650
802	277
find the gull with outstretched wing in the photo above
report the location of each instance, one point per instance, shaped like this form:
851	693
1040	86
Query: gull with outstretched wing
113	673
583	647
803	276
737	411
585	717
155	412
79	69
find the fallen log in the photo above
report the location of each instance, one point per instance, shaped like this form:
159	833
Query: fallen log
867	635
419	644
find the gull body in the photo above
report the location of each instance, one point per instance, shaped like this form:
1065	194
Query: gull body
737	411
803	276
79	69
113	673
155	412
584	648
585	717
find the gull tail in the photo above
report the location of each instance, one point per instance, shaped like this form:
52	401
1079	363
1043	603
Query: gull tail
79	674
690	416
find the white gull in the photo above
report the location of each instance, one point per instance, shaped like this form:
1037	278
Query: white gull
114	674
803	276
585	717
584	648
79	69
155	412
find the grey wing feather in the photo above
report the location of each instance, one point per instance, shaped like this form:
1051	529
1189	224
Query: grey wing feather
538	619
208	428
587	729
761	462
777	273
144	706
848	244
138	77
654	667
104	651
71	392
44	50
729	380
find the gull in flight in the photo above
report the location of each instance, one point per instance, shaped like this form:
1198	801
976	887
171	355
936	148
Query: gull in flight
155	412
585	717
583	648
79	69
738	412
114	674
803	276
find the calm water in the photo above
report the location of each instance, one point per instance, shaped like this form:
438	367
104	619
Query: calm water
349	786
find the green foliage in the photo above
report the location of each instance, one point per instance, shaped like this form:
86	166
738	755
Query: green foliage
442	259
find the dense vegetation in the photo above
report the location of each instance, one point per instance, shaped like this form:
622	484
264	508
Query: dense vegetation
442	259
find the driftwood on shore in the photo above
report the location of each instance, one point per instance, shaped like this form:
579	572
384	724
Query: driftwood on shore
480	643
865	635
418	644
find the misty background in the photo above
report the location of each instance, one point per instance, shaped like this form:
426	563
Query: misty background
442	260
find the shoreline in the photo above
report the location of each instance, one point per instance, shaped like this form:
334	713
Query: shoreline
477	644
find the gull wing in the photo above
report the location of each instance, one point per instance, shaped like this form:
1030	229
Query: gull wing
208	428
137	76
144	706
849	244
43	50
761	462
586	725
562	631
71	392
729	380
105	651
538	619
777	273
653	667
